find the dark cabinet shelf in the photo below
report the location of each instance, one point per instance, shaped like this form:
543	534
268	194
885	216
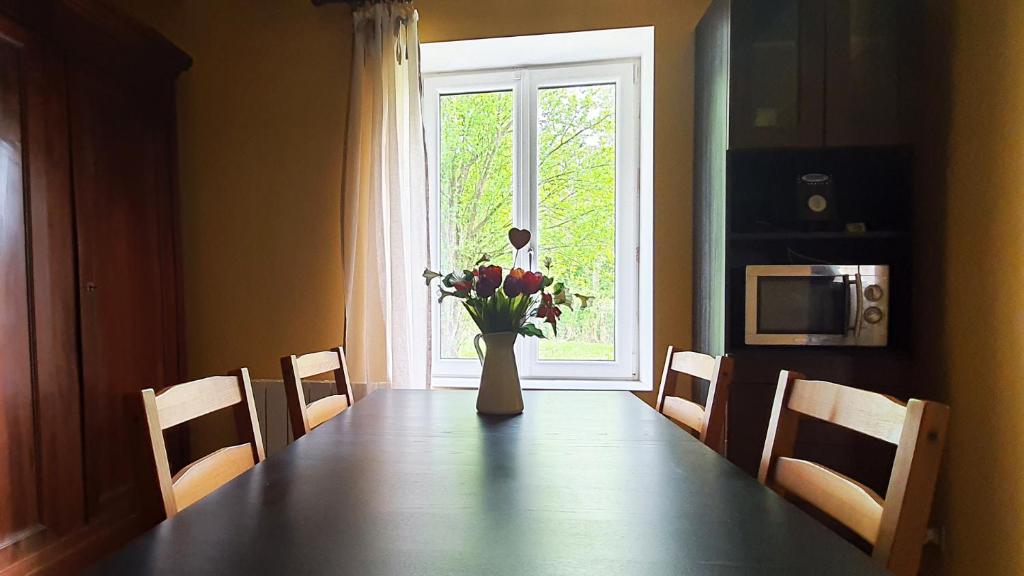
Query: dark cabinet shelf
870	235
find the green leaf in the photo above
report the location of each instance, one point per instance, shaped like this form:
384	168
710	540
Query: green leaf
531	330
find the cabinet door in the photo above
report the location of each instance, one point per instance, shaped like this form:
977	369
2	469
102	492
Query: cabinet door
777	73
121	148
40	458
867	60
19	488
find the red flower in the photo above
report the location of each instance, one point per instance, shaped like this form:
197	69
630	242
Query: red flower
548	311
532	282
463	286
520	282
513	283
488	278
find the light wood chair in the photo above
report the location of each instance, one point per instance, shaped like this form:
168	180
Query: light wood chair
294	368
896	525
177	404
707	422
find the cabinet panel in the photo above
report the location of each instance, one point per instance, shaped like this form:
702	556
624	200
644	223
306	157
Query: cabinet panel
19	516
40	467
777	74
711	121
866	60
54	303
120	172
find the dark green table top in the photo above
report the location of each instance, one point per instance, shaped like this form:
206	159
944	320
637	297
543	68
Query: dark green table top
415	482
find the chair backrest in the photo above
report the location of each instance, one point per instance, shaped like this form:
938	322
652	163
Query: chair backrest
895	525
707	421
294	368
178	404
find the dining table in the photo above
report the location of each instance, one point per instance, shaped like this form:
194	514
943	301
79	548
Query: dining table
415	482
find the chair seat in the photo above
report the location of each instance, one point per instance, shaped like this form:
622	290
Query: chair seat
681	410
210	472
325	408
858	507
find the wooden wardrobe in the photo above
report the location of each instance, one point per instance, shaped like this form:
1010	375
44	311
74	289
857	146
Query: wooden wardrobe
90	292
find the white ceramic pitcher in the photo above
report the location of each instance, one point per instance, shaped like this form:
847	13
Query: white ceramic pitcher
500	392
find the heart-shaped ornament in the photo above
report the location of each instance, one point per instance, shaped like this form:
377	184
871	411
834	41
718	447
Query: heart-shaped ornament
518	237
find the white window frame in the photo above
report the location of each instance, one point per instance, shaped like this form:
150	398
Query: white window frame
474	66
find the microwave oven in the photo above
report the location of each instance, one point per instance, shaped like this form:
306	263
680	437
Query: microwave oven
817	305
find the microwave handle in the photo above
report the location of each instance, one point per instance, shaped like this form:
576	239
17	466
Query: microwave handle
856	286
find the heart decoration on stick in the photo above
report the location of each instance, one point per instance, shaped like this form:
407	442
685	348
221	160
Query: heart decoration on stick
518	237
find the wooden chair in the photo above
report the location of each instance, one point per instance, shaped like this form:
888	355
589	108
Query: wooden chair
183	402
707	422
896	525
294	368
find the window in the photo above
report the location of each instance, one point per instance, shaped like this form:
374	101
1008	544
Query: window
555	148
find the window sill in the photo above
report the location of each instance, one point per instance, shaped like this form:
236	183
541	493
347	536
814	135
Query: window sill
548	384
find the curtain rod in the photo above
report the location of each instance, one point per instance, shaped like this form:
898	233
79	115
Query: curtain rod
357	3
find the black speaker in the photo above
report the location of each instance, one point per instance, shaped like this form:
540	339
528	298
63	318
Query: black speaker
815	198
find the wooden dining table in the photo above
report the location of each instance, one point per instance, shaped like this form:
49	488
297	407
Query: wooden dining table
414	482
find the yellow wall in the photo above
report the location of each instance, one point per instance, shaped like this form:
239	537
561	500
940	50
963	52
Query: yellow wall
262	116
982	376
262	131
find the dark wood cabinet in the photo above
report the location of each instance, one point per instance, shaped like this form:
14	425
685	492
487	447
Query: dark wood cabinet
788	74
89	300
868	72
787	88
777	73
807	73
120	179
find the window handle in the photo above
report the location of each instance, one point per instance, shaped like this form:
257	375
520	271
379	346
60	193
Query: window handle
529	256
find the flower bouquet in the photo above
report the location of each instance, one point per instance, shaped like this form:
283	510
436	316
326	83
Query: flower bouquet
503	307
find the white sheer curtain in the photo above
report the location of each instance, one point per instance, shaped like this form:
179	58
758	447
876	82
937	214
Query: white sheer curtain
385	204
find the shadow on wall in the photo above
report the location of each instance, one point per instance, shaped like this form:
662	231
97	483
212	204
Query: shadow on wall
971	245
930	231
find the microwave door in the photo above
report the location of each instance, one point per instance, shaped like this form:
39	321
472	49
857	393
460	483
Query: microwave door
801	309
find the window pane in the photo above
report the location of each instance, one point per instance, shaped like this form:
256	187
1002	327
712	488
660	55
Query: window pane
475	209
576	213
